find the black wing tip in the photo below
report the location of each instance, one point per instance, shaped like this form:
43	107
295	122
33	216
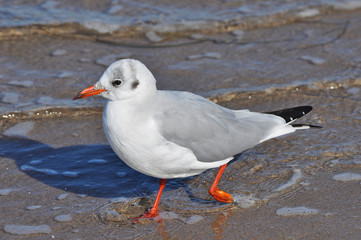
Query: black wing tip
301	109
306	125
291	114
306	109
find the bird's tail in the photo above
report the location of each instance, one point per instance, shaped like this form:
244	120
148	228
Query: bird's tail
292	114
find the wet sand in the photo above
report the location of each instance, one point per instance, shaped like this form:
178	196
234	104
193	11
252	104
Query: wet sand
315	63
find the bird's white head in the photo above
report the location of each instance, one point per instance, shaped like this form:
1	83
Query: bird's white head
123	79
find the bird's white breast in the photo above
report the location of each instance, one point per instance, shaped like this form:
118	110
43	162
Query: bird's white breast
135	138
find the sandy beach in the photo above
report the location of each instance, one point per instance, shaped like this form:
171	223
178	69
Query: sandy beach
59	178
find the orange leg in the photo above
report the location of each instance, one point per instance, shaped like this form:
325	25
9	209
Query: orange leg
219	195
154	210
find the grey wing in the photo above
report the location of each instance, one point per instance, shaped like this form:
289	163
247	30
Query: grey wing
212	132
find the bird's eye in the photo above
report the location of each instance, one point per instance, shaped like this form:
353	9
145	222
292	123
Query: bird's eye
117	82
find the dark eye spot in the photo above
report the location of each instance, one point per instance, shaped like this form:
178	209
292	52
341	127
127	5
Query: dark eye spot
135	84
117	82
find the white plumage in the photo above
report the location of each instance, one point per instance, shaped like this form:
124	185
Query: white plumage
172	134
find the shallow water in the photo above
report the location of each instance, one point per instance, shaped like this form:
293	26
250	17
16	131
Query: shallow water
292	54
163	16
317	53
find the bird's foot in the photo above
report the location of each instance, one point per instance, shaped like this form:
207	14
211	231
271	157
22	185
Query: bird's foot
221	196
152	214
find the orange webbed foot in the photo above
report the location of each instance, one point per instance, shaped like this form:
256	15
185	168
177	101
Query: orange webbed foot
221	196
152	214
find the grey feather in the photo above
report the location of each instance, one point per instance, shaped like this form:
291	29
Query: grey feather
212	132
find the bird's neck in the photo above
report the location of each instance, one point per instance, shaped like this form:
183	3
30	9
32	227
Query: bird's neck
139	104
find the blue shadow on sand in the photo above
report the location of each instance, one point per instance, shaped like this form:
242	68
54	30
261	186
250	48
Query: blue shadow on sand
94	170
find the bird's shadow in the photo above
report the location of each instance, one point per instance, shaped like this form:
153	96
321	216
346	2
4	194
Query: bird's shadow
94	170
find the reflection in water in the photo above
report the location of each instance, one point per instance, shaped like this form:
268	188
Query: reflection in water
219	224
163	233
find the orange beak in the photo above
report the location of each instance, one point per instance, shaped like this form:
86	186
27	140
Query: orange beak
90	91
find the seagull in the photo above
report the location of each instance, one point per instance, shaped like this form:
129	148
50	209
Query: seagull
176	134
